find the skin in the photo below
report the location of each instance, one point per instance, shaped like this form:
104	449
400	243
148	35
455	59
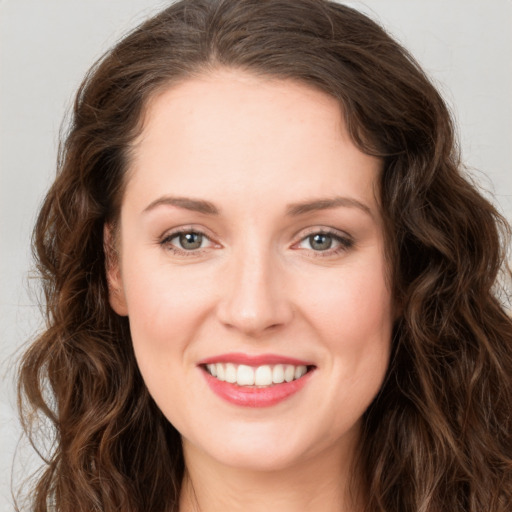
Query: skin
252	148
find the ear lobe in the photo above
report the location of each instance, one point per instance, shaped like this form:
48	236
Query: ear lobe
116	296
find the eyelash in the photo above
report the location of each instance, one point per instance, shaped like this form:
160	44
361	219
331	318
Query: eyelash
345	242
166	242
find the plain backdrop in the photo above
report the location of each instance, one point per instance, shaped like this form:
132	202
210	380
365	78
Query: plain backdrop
46	46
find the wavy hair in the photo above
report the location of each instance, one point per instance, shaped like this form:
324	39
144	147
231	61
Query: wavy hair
439	434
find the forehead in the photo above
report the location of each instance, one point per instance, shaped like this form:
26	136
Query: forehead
233	131
227	99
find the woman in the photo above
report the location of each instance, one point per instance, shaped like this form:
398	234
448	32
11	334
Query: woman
268	282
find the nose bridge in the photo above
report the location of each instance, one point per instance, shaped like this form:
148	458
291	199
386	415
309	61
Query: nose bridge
254	298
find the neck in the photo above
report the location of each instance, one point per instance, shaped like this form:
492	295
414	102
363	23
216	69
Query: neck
323	482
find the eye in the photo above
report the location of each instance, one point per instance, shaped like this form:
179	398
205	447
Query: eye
325	242
186	241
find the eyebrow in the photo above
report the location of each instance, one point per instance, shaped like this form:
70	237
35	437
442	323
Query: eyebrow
295	209
326	204
195	205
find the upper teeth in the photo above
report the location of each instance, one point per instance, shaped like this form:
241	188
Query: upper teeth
265	375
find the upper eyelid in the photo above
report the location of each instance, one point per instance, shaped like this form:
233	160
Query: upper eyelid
302	234
173	232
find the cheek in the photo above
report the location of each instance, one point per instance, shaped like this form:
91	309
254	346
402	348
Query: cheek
355	305
353	316
165	307
164	314
159	309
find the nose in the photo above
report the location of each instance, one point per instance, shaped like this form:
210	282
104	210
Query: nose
254	298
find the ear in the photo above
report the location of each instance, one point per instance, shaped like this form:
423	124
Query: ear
116	295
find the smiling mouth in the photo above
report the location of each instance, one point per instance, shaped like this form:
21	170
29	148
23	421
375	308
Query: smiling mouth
256	376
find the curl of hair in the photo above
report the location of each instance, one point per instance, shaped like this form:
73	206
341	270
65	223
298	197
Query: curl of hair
439	434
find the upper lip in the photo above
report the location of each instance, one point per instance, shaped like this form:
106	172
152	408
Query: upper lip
254	360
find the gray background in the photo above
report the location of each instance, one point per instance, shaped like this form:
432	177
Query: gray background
47	45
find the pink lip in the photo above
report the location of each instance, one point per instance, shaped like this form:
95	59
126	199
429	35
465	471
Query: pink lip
249	360
253	396
249	396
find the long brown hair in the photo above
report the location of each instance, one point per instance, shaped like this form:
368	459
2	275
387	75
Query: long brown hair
439	434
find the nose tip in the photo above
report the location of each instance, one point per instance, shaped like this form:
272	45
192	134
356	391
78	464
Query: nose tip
250	321
255	300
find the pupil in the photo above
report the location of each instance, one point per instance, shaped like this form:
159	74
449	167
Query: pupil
191	240
320	242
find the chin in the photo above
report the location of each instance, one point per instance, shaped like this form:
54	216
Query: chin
258	460
258	449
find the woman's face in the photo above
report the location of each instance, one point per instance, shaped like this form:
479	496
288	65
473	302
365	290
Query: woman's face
252	270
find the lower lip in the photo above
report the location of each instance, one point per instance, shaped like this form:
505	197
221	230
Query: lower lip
247	396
